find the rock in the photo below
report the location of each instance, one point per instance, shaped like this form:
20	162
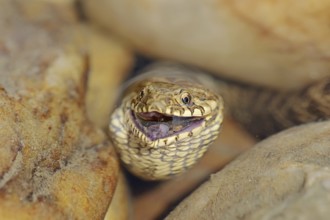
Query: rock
282	44
110	62
54	163
120	207
286	176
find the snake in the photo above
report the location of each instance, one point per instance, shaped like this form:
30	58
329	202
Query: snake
168	117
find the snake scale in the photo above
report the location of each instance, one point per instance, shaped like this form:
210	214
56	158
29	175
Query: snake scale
169	116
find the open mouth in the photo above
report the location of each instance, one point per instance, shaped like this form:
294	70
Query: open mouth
156	125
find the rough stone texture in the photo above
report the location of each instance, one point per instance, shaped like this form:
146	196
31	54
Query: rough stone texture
54	164
282	44
286	176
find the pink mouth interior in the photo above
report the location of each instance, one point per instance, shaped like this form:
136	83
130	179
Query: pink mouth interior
156	125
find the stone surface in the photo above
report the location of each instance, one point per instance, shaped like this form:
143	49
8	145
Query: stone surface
110	62
121	205
54	164
283	177
283	44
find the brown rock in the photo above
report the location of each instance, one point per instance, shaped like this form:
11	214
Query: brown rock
54	163
282	44
286	176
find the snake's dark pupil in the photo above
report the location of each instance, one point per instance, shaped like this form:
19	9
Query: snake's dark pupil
186	100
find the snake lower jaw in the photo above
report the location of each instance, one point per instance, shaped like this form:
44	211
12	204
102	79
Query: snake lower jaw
155	125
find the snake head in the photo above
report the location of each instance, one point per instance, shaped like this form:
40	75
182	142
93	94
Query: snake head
176	100
164	107
165	122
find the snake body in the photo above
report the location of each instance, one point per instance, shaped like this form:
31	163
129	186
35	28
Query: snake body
165	122
264	111
169	116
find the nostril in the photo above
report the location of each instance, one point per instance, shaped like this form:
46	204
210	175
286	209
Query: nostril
141	95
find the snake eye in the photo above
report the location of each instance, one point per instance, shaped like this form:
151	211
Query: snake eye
186	98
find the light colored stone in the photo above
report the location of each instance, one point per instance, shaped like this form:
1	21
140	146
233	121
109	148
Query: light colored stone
282	44
284	177
110	62
120	207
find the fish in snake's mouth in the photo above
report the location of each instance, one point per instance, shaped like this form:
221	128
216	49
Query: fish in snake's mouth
156	125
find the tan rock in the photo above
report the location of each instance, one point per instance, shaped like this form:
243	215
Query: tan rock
49	12
110	62
286	176
282	44
54	164
120	207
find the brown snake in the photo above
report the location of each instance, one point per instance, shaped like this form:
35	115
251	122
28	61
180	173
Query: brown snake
169	116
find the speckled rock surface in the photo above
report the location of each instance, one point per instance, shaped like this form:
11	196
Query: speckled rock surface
54	163
286	176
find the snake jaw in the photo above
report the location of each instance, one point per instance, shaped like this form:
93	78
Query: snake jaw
155	125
